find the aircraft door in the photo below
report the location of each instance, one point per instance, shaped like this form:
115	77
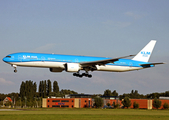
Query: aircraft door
76	60
20	58
42	58
130	64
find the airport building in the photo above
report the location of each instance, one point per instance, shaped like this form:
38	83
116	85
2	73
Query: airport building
148	103
76	101
70	101
86	101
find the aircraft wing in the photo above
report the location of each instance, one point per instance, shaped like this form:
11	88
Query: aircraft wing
148	64
102	62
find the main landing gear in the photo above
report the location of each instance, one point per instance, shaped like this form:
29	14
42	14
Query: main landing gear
81	75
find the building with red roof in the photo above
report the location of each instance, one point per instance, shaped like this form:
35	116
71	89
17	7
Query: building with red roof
7	99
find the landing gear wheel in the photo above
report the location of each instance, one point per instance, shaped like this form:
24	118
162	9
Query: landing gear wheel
84	74
15	71
89	76
74	74
81	75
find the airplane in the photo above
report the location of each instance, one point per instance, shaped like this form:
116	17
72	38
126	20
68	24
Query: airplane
74	63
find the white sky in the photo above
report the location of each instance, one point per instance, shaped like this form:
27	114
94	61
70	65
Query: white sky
108	28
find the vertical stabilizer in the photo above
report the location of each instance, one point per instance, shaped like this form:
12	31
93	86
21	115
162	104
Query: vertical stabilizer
146	52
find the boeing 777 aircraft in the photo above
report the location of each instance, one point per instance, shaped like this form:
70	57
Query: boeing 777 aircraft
72	63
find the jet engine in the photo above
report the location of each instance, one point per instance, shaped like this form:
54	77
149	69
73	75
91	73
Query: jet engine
72	67
55	69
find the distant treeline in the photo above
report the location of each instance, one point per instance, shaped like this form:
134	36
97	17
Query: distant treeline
28	95
135	95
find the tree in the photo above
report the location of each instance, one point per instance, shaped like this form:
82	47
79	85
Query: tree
117	105
98	102
40	89
108	104
114	93
1	103
114	104
22	90
134	94
30	90
8	103
135	105
167	94
34	88
44	88
165	105
107	93
126	102
55	87
156	103
27	91
67	92
153	95
48	87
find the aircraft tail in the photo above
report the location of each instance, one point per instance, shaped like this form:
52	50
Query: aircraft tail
146	52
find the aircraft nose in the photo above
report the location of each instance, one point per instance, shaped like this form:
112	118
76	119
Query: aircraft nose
4	59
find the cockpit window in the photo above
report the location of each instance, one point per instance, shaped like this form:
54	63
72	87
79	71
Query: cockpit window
8	56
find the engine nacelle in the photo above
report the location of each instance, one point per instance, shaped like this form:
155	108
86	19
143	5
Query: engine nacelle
97	67
72	67
55	69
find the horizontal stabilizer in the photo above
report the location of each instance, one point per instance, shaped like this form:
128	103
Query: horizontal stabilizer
148	64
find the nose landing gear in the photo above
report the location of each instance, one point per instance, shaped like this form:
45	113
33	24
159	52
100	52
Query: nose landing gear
14	66
15	71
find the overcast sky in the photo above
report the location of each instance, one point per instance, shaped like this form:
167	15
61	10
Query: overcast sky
107	28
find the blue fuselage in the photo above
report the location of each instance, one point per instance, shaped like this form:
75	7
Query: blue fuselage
17	58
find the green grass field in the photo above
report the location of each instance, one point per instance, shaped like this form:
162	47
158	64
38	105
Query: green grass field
84	114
